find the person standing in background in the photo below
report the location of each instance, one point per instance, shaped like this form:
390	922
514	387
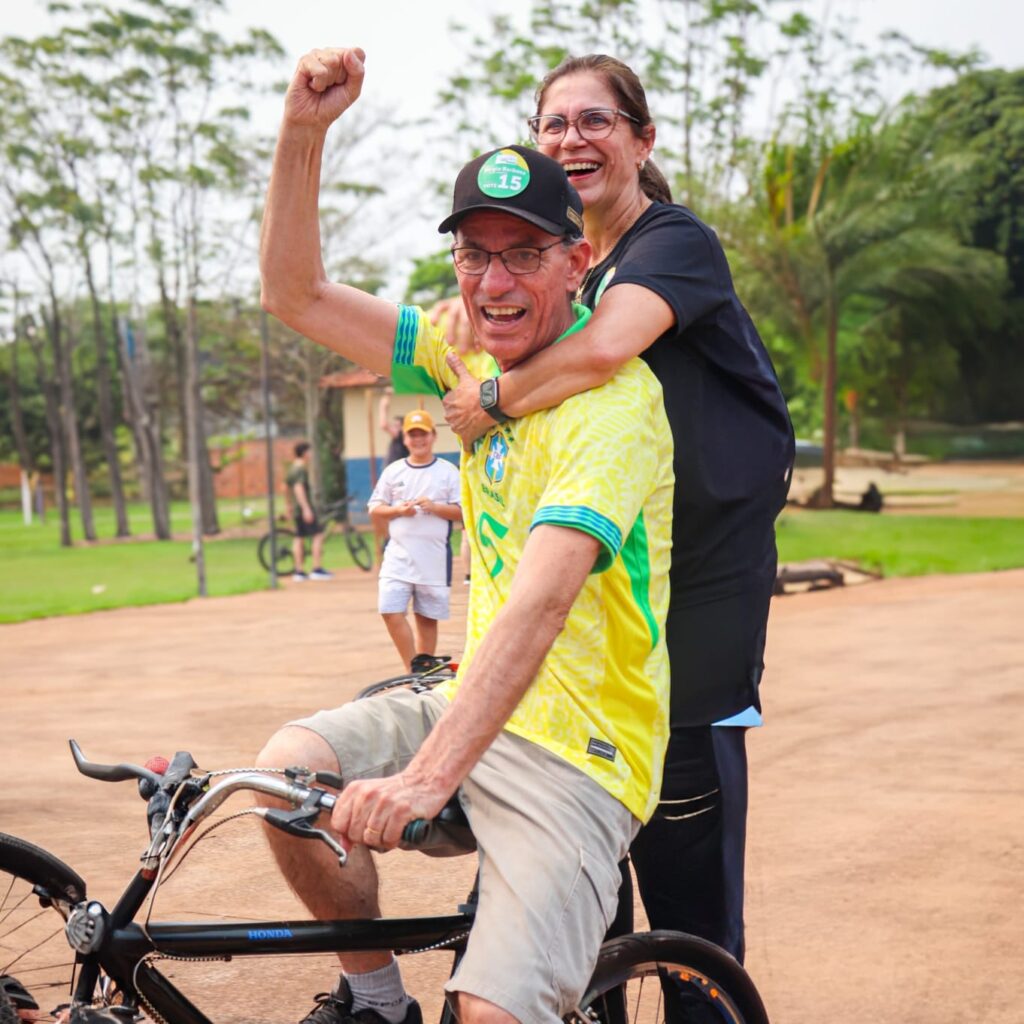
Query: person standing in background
417	502
392	426
304	517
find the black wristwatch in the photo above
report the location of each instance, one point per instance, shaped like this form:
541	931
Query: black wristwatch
489	399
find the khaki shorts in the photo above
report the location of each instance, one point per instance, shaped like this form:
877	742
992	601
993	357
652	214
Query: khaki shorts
549	840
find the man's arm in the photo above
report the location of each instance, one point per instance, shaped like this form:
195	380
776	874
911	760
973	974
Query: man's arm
295	288
385	415
555	564
302	500
628	320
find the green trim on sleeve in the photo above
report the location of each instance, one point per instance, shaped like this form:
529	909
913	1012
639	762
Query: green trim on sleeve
413	380
405	335
636	559
406	377
579	517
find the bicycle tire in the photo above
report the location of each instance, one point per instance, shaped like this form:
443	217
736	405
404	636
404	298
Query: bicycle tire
657	977
8	1014
425	681
285	560
358	548
34	952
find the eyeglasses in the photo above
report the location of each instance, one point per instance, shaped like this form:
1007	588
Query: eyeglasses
547	129
523	259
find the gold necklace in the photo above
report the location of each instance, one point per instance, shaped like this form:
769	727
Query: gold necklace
583	284
644	203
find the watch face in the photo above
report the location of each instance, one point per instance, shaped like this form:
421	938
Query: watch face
488	396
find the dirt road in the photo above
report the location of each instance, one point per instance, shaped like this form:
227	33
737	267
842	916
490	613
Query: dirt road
886	853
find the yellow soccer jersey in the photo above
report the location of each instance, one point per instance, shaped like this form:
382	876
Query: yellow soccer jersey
600	462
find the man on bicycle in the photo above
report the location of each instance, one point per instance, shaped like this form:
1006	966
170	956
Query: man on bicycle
554	731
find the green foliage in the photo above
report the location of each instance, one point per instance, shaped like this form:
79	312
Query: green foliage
433	278
38	578
903	545
981	122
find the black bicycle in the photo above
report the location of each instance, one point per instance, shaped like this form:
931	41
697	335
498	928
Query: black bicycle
283	550
111	974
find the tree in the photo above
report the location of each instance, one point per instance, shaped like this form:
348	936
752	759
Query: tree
981	116
870	218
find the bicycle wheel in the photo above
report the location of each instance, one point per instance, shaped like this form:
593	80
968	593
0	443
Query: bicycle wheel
36	963
665	977
284	555
411	680
358	548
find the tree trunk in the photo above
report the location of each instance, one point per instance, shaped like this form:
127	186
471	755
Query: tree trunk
688	78
195	454
25	460
57	455
69	419
899	441
176	345
136	373
208	492
312	408
106	405
197	422
192	410
823	497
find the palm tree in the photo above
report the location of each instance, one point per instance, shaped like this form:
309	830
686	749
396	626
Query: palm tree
870	218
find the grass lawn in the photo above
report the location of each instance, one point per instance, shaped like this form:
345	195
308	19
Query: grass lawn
903	545
38	578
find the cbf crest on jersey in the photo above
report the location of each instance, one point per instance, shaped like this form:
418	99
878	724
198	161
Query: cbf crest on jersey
497	451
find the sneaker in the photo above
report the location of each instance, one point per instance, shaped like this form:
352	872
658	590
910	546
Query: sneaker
299	577
413	1015
427	663
321	574
335	1007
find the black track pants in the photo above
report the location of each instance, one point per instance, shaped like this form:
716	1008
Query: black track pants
689	857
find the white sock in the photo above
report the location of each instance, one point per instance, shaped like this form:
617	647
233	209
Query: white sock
380	990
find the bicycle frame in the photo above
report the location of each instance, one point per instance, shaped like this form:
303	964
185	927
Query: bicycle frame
121	947
123	955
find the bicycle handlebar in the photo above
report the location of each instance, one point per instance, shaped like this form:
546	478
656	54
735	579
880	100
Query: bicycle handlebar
308	801
415	832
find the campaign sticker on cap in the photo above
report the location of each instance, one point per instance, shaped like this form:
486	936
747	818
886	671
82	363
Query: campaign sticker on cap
503	175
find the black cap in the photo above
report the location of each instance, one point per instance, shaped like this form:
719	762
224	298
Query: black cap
521	182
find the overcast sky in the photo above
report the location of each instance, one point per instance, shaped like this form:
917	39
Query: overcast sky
409	47
410	50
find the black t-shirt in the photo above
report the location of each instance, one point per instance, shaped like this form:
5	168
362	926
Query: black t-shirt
396	450
298	474
733	452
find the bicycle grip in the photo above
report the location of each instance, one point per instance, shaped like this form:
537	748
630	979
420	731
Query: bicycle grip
416	832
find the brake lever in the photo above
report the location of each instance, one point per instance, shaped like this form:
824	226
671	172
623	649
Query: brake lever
299	822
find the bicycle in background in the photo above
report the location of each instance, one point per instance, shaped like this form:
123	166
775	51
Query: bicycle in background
283	559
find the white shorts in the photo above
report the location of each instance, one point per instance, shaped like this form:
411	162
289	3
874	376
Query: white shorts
430	602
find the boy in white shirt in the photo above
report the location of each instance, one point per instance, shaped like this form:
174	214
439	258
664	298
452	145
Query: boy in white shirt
417	498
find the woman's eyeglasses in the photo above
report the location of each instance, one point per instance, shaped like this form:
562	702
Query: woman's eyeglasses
547	129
